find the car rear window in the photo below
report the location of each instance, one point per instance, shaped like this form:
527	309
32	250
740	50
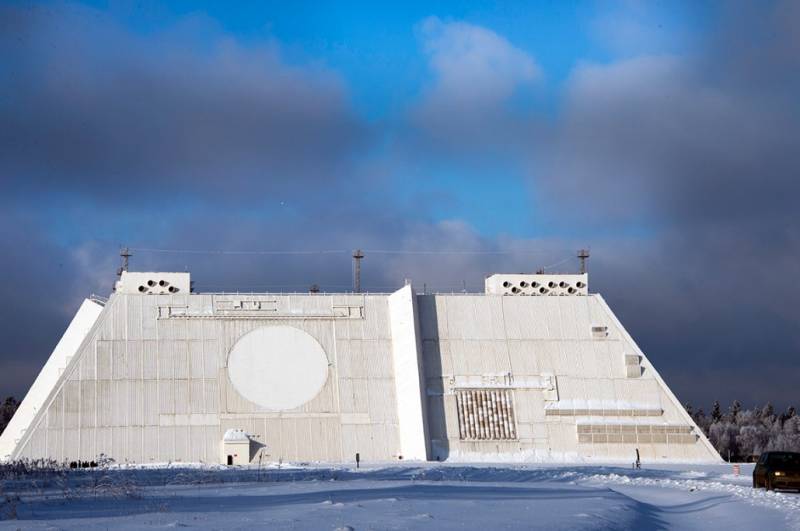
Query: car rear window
788	460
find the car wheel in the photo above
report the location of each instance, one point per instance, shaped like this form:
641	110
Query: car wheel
768	484
755	483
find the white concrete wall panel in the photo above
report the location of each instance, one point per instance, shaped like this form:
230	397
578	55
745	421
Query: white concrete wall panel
211	358
150	437
458	358
180	351
119	401
119	361
166	444
150	413
523	358
71	404
382	406
196	359
133	351
54	444
88	406
88	365
103	352
182	397
183	442
166	397
54	417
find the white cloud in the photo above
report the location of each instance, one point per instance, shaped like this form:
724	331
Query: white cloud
473	65
467	105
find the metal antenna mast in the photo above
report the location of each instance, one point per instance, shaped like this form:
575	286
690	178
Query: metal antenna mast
125	253
357	256
583	254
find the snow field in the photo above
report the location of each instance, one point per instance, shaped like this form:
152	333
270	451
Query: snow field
419	496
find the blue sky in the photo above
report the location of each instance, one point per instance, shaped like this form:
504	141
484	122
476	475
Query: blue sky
663	135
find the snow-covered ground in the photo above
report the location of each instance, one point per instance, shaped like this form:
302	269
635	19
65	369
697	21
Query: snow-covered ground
423	496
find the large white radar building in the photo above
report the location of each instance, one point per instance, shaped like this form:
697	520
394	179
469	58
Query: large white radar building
537	368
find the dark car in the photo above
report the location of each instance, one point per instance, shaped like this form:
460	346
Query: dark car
777	470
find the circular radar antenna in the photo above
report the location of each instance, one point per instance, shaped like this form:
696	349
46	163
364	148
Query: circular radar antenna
278	367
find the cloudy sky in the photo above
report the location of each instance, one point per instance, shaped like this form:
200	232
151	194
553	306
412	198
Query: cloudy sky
665	136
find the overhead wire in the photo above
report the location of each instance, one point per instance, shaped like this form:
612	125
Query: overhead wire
448	251
209	251
561	262
340	251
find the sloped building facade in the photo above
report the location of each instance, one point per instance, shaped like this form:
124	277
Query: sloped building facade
535	369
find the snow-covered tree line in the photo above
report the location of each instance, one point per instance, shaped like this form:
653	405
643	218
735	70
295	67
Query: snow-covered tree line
741	434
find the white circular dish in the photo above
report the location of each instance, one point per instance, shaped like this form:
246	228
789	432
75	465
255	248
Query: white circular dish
278	367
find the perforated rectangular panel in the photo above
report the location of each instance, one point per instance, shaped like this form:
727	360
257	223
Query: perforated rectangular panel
485	414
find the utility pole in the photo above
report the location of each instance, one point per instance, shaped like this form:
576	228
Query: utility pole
357	256
583	254
125	253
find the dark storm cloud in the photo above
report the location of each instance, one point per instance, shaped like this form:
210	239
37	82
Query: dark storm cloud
701	153
88	105
653	139
41	288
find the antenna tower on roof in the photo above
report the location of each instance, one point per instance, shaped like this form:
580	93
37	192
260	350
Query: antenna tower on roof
125	253
357	256
583	254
